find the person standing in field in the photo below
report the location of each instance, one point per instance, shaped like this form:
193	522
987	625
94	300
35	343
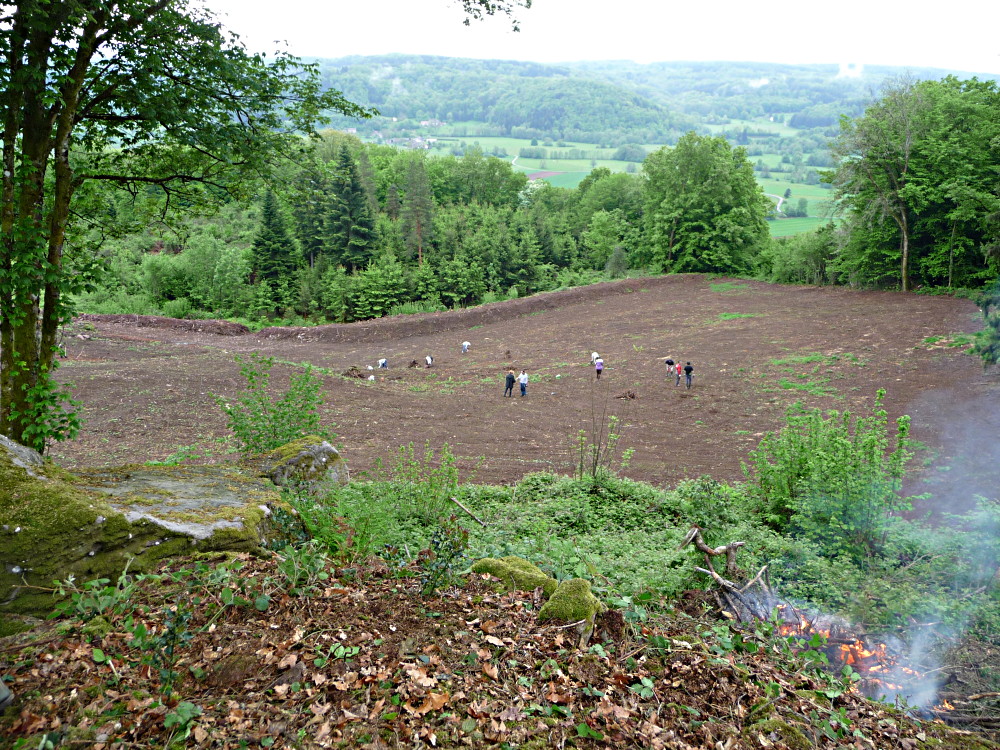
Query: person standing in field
688	374
523	380
598	367
670	366
509	384
677	371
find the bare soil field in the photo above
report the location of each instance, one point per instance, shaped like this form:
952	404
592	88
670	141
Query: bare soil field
146	384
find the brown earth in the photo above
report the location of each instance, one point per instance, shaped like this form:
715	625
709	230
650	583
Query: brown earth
146	384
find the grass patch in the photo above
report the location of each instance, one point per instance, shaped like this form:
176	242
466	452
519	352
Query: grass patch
816	388
737	316
727	286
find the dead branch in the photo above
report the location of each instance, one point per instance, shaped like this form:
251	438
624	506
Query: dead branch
473	515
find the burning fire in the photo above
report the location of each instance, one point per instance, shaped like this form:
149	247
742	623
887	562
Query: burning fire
879	666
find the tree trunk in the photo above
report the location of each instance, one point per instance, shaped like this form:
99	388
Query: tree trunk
904	242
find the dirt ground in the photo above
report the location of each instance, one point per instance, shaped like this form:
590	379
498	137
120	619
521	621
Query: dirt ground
146	384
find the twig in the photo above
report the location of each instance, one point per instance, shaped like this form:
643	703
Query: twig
571	625
754	580
474	517
23	646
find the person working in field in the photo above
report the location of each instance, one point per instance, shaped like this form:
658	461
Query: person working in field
599	367
509	384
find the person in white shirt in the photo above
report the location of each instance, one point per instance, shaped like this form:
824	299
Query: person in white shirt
429	360
523	380
465	347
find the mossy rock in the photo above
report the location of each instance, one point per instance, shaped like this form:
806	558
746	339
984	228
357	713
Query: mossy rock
54	525
571	602
307	459
516	574
778	731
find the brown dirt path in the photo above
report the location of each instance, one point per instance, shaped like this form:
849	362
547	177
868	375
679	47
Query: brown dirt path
146	383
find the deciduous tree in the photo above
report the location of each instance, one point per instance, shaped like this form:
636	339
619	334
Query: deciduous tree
704	209
138	94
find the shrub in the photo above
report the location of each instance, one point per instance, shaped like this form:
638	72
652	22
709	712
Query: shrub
262	422
832	478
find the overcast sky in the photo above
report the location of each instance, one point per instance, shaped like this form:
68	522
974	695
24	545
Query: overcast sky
959	35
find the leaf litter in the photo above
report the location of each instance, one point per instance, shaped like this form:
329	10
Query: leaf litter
364	661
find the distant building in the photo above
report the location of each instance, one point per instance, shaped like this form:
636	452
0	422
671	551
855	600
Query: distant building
431	123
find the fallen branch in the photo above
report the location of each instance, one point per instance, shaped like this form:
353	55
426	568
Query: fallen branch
729	550
473	515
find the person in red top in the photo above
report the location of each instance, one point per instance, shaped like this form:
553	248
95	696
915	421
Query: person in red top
678	370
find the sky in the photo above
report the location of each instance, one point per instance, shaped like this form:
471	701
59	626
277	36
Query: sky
959	35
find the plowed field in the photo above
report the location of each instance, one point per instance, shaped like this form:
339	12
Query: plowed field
146	383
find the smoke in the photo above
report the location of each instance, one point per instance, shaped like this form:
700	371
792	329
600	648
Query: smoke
960	513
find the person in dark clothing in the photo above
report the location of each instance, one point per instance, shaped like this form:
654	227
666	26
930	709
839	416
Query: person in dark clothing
670	367
509	384
688	369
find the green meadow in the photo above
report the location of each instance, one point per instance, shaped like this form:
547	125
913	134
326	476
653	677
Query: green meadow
570	172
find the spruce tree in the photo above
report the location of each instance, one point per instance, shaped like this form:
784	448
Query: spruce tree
273	248
418	210
349	236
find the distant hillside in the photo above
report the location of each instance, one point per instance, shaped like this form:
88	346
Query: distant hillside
606	102
517	98
745	90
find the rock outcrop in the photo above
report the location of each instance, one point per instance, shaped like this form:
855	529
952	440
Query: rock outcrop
309	459
54	524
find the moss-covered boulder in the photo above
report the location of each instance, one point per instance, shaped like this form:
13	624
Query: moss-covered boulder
572	601
308	459
54	524
516	574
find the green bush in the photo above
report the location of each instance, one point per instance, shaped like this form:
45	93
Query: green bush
261	421
832	478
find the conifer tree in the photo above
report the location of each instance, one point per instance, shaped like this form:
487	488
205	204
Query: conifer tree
349	228
418	210
273	248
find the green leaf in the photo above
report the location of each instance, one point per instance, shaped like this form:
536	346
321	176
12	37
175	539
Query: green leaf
100	657
262	602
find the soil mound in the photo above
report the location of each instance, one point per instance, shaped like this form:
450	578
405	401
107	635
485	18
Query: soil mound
219	327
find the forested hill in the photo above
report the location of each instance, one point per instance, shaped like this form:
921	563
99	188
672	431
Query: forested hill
608	102
519	98
745	90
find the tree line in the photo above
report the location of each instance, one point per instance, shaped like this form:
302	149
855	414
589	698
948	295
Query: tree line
357	231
